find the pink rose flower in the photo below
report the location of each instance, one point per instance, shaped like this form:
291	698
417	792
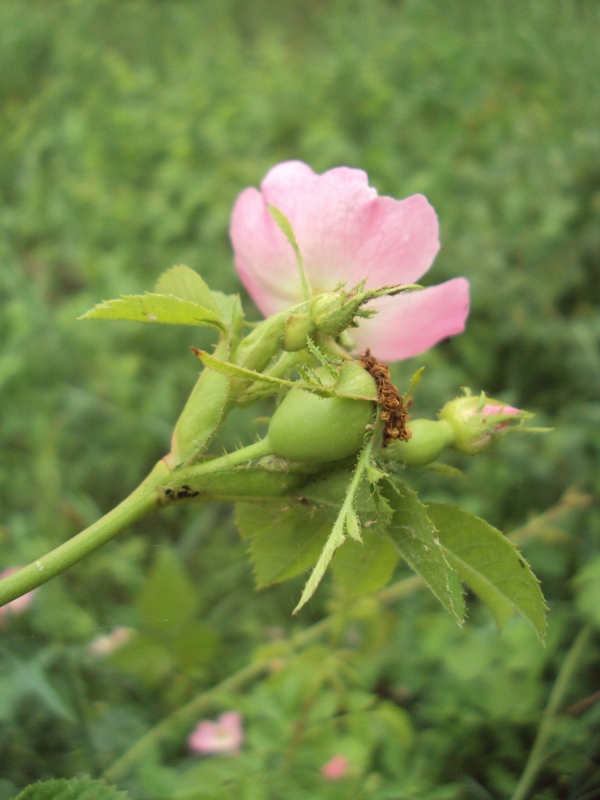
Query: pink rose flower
346	234
19	604
225	736
107	643
335	768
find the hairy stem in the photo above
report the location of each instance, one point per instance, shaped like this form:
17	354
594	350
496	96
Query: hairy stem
140	502
563	679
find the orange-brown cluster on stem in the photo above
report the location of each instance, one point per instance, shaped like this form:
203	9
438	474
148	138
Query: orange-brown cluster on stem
393	411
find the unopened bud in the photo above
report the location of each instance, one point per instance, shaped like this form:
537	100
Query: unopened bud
260	346
478	420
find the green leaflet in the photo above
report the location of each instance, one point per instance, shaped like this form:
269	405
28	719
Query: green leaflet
285	539
415	536
186	284
156	308
365	567
75	789
352	503
490	565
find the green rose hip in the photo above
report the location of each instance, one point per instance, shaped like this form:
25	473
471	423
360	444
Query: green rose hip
306	427
428	438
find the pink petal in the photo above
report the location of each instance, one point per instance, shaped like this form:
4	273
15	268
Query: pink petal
223	736
108	643
345	231
231	722
264	259
410	323
499	409
335	768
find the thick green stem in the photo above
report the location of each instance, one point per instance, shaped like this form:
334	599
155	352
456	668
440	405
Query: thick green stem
244	455
139	503
563	679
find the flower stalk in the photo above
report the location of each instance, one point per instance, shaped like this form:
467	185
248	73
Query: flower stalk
149	496
140	502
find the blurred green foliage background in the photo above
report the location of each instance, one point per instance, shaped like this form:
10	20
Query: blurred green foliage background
126	131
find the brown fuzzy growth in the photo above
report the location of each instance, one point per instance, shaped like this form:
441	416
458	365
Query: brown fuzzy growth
393	411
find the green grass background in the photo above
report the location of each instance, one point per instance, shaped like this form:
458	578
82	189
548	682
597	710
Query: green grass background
126	131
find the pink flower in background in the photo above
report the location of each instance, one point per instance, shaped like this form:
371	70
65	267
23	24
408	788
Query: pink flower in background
224	736
20	604
107	643
335	768
347	233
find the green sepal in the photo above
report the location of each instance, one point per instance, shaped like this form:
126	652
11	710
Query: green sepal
285	226
257	349
201	414
334	312
490	565
230	309
242	373
414	382
185	283
152	308
352	524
